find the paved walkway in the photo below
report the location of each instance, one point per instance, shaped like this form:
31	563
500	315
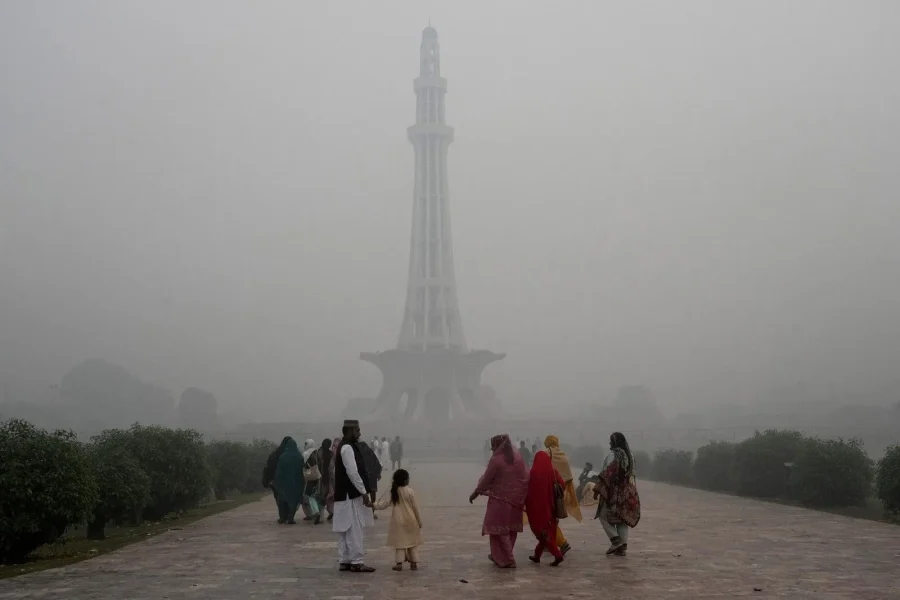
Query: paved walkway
690	544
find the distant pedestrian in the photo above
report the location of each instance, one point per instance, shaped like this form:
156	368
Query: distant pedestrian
396	453
527	456
325	458
405	530
505	483
384	452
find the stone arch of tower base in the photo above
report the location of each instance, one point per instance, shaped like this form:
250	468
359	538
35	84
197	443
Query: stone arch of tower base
434	385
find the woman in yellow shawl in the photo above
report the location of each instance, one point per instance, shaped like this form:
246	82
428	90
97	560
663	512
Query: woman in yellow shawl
561	464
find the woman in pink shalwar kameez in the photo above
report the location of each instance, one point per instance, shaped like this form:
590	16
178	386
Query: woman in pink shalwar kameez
505	483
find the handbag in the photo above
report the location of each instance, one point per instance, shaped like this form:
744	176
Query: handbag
559	502
312	473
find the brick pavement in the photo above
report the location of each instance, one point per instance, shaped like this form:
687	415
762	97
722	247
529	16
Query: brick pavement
690	544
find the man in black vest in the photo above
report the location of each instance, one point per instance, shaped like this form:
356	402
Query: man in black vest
353	499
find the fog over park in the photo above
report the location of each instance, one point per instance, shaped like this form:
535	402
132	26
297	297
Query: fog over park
697	197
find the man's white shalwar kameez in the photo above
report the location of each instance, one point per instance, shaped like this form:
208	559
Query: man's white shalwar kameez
351	516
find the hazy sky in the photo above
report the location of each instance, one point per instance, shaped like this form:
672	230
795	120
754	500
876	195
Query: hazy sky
701	196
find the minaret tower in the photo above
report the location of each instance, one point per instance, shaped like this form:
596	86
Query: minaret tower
431	319
431	374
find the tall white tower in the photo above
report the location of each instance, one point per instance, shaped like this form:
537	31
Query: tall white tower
431	319
431	374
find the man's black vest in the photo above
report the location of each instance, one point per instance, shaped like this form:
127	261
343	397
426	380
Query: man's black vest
343	487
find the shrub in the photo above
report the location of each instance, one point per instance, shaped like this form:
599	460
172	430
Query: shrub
123	486
259	454
46	484
175	462
673	466
759	462
713	466
229	463
828	473
887	481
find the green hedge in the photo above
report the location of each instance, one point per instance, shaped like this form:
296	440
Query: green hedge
173	459
47	485
887	481
713	467
782	464
51	481
831	473
124	487
673	466
760	463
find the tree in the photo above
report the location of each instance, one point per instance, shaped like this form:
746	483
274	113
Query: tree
887	481
47	485
830	473
761	462
123	486
230	465
713	466
198	410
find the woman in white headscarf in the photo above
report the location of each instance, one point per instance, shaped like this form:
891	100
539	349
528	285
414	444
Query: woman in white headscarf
313	477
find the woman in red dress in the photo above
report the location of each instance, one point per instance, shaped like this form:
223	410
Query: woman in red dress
539	506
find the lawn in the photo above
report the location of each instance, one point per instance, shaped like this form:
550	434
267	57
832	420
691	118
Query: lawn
75	547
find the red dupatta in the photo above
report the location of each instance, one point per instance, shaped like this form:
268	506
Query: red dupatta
539	503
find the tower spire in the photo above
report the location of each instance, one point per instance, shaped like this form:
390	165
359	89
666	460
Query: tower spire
431	319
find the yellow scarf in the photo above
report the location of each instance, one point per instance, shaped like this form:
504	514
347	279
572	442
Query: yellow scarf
561	464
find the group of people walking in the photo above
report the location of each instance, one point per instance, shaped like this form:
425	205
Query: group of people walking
341	476
547	494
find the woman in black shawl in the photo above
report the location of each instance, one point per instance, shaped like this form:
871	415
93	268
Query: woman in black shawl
324	458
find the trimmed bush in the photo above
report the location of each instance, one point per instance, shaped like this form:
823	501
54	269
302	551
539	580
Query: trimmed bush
831	473
47	485
759	463
175	462
230	466
123	486
673	466
713	467
887	481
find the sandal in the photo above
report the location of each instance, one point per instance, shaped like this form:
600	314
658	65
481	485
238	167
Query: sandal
361	569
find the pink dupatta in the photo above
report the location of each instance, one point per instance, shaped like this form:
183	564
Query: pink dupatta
505	483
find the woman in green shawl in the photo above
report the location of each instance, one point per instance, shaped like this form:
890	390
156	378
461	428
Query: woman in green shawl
288	482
